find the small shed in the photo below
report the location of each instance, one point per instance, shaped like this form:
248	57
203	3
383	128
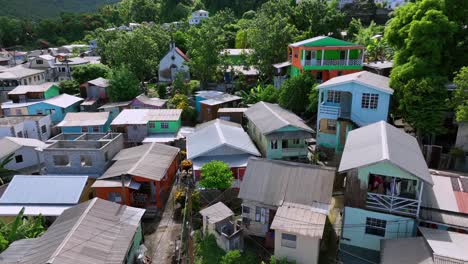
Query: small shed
235	115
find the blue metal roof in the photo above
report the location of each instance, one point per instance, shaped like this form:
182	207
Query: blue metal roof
44	189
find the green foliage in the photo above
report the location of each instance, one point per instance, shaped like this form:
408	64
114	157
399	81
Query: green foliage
88	72
179	84
123	84
216	175
180	198
363	35
460	96
294	93
313	100
232	257
162	91
207	250
259	93
69	87
6	174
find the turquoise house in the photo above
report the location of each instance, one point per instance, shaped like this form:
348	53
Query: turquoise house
86	122
278	133
57	107
386	175
347	102
205	95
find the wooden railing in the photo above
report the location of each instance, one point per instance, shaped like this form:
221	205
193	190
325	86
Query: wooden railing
392	204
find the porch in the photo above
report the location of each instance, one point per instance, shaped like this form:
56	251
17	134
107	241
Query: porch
335	104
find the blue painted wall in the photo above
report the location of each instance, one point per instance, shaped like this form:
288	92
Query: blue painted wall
198	99
59	113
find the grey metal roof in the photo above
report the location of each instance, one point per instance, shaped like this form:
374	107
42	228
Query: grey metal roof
441	195
150	161
36	88
217	212
224	98
444	217
236	52
412	250
73	119
143	116
63	100
158	102
101	82
232	110
282	64
299	219
44	190
379	64
12	144
207	94
446	243
382	142
115	104
274	182
270	117
18	72
369	79
97	231
214	134
302	42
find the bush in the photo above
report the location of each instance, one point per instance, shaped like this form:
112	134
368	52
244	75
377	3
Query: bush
216	175
232	257
69	87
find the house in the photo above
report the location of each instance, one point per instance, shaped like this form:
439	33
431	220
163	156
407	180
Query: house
11	77
236	59
350	101
223	141
144	102
37	127
148	172
278	133
65	67
205	95
96	231
57	107
383	68
84	122
219	220
46	63
81	154
42	195
282	72
174	62
162	125
235	115
22	151
325	57
287	203
96	94
209	107
28	93
198	16
115	108
434	246
386	175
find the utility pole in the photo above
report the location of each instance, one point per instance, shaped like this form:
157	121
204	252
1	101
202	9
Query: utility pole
187	182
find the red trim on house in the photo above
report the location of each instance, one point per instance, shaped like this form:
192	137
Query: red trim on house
182	54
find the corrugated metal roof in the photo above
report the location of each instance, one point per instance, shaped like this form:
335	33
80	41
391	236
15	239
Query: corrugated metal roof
207	94
33	210
97	231
379	64
116	184
158	102
116	104
37	88
372	80
63	100
234	161
44	190
217	212
282	64
12	144
17	72
232	110
446	243
299	219
236	52
270	117
84	119
273	182
302	42
382	142
412	250
150	161
101	82
216	133
143	116
440	195
225	98
444	217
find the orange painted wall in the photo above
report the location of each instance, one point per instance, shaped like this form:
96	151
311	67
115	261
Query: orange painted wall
103	193
296	62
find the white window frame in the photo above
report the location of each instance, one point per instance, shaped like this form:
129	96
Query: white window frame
333	96
274	144
374	226
370	101
164	125
288	240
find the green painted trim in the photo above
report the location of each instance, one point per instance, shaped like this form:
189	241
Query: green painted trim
173	126
53	91
329	41
329	67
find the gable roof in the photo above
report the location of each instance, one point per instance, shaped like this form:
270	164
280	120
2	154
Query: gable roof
101	82
372	80
322	41
158	102
216	133
97	231
73	119
412	250
217	212
143	116
37	88
150	161
182	54
446	244
63	100
12	144
269	117
273	182
382	142
18	72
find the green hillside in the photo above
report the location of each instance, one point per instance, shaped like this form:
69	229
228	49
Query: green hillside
48	8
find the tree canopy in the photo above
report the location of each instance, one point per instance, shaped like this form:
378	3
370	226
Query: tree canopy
461	95
216	175
294	93
88	72
123	84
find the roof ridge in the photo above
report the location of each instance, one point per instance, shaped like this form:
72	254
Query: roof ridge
385	151
220	132
274	113
72	230
142	157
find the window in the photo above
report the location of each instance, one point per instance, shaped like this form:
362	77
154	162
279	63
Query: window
19	158
274	144
39	112
375	226
288	240
152	125
258	213
20	134
296	141
284	143
84	129
95	128
245	209
114	197
39	62
164	125
342	54
333	96
369	100
43	129
61	160
331	124
86	160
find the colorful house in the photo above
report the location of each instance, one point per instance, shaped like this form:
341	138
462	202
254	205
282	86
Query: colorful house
28	93
84	122
223	141
96	231
115	108
386	176
96	94
57	107
350	101
278	133
325	57
148	172
156	125
209	107
23	152
144	102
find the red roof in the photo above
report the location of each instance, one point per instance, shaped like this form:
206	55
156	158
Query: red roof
182	54
462	201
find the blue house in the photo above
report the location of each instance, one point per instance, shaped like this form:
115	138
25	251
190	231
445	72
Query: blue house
347	102
386	176
57	107
86	122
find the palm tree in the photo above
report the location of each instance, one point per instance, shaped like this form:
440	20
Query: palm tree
5	174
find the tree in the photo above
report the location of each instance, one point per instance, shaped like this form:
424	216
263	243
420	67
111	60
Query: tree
232	257
179	84
6	174
20	228
461	95
123	85
261	93
294	93
69	87
88	72
216	175
162	91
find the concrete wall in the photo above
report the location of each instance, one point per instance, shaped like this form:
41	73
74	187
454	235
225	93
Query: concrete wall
256	228
306	251
29	129
30	159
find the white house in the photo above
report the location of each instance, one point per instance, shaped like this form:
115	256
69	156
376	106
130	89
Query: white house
25	157
173	62
198	16
34	126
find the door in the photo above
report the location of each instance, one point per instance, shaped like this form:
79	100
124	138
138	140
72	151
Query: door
313	57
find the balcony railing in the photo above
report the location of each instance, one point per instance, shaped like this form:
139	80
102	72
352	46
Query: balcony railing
332	112
295	151
350	62
392	204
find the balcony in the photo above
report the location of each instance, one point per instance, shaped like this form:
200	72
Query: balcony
392	204
344	62
333	112
292	152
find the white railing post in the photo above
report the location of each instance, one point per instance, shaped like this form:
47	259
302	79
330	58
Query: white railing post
419	199
347	58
